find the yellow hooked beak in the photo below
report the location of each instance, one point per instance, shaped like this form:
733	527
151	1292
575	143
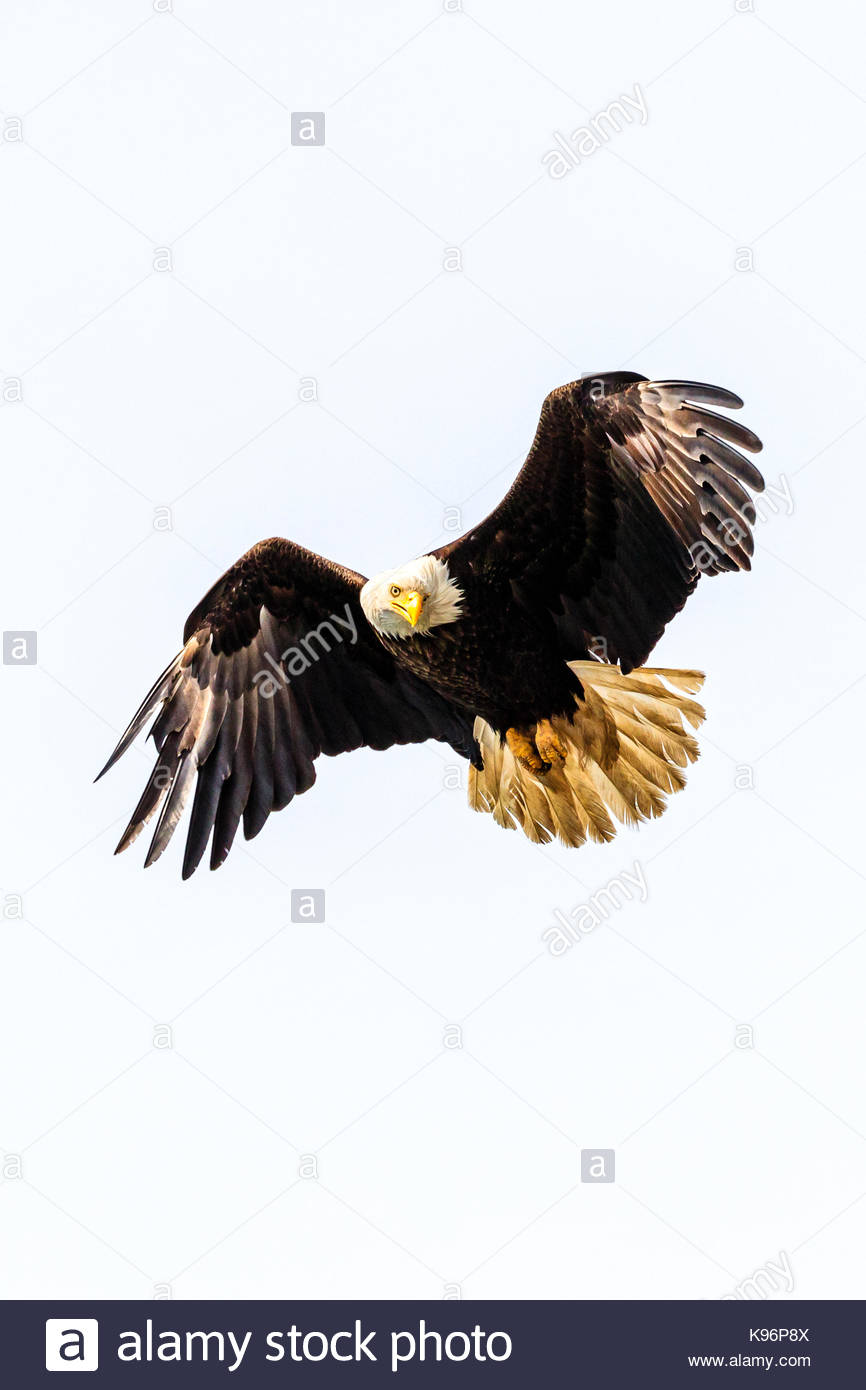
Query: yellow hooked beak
409	606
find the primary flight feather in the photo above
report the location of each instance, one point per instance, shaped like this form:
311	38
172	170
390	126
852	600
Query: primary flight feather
521	644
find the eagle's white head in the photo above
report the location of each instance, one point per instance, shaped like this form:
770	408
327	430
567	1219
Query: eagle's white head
411	599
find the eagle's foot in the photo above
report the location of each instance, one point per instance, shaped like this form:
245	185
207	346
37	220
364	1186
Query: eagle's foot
549	745
522	745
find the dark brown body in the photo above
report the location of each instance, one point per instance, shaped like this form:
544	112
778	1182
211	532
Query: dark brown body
499	661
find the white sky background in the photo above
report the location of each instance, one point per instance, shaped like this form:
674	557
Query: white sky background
145	1167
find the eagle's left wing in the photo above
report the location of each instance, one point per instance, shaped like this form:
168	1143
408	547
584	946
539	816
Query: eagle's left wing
279	666
632	489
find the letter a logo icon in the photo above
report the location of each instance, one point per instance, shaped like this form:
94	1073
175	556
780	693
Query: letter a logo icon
71	1344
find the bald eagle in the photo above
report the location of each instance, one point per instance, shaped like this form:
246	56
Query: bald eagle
521	644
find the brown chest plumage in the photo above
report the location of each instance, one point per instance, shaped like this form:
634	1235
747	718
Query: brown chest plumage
504	665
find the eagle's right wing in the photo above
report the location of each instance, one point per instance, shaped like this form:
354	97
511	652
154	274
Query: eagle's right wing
279	665
632	489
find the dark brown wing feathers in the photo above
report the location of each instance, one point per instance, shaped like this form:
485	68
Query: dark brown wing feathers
631	490
235	723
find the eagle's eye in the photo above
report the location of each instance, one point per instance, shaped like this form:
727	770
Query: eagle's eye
395	591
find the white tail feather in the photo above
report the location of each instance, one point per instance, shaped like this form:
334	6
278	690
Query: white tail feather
626	749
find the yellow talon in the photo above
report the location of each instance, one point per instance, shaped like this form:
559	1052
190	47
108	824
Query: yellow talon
522	745
550	746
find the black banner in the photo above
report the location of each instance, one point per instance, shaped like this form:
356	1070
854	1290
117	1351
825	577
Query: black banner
408	1344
